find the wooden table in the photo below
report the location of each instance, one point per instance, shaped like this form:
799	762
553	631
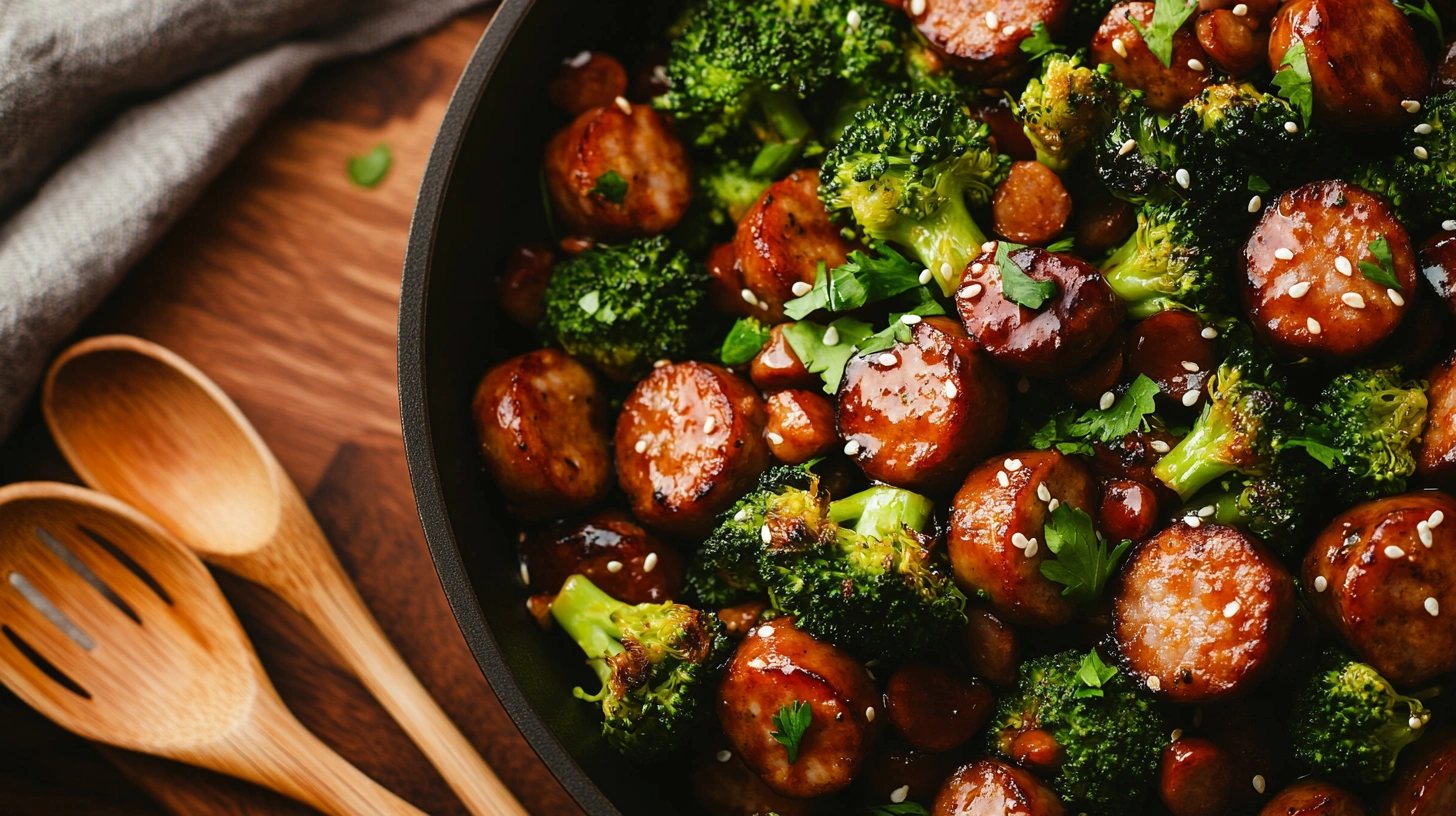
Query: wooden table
282	284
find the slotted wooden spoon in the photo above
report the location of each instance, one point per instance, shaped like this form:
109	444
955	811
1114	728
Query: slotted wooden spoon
115	630
140	423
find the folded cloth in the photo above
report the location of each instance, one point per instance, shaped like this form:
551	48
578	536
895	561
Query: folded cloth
154	97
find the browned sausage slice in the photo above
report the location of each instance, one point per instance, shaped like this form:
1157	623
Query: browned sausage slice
1378	584
777	367
1195	778
990	788
1202	612
1129	510
1436	463
920	414
588	80
983	37
991	649
776	666
1233	43
1425	778
521	289
724	786
608	547
1055	339
725	281
689	444
993	108
1170	349
1364	60
1032	205
1118	44
1294	285
1313	797
782	239
541	420
800	426
641	148
935	710
1002	506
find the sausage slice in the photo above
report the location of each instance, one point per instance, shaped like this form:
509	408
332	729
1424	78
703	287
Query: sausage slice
1032	205
588	80
1425	778
800	426
777	367
990	788
1314	797
608	547
1195	778
1436	463
1118	44
935	710
983	37
783	238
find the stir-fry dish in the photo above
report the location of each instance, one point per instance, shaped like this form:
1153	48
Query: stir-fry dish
1025	407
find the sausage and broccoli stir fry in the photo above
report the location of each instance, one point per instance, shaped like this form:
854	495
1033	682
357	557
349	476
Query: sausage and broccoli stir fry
974	407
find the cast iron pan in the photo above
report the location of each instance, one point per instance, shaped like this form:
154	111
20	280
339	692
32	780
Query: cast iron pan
481	196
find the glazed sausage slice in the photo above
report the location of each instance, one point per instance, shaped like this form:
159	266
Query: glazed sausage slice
1170	349
1055	339
1425	778
775	666
899	766
724	786
1437	259
1376	583
1000	506
991	649
983	37
588	80
626	561
689	444
1313	797
642	149
1303	303
800	426
935	710
777	367
993	108
920	414
725	281
1436	463
1234	45
782	239
1202	612
1167	86
1363	57
1101	374
1101	220
1129	510
1195	778
541	420
521	288
990	788
1032	205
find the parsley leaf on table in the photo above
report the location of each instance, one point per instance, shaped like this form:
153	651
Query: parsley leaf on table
1093	673
1083	563
861	279
827	359
1293	81
371	168
1382	272
744	341
1015	284
791	722
1168	17
611	186
1039	44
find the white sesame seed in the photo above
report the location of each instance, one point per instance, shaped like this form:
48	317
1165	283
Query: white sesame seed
623	105
1206	510
887	359
1284	254
1043	493
1240	10
614	566
1449	225
909	319
525	574
1393	551
1424	129
1195	65
801	288
917	7
977	268
1299	290
1183	178
1023	385
1105	401
1176	735
898	794
724	756
1435	520
1154	684
649	563
851	448
1193	521
1313	325
1415	722
775	438
1189	365
831	336
951	390
946	270
1433	606
1258	783
971	291
1423	529
1291	127
1002	479
1190	397
661	363
757	663
1008	31
992	21
765	534
1320	583
748	296
1053	504
1255	203
763	304
1353	300
709	424
989	246
1031	547
580	59
765	631
1127	147
1421	153
1209	333
1342	265
1012	465
1230	609
1395	297
1411	106
1119	47
741	516
1159	446
925	276
641	446
852	18
1019	540
870	714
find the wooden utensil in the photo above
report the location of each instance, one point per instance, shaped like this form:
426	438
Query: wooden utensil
115	630
141	423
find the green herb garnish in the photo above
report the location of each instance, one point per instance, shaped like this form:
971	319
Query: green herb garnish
1083	563
1015	285
1383	271
1039	44
1093	673
1294	83
744	341
792	721
371	168
1168	17
611	187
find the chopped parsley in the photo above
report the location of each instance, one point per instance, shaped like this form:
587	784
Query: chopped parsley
1294	83
1070	434
1039	44
1168	17
1425	12
791	722
1016	285
747	337
371	168
898	331
1062	245
591	303
1257	184
1383	271
861	279
611	187
1083	563
1318	451
827	359
1093	673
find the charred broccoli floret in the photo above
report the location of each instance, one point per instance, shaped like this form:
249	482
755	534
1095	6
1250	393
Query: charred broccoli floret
1272	505
1347	720
621	307
906	170
1171	261
1067	107
1419	175
1374	418
1110	731
656	663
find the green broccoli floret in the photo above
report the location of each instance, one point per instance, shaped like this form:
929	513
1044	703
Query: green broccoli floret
1421	185
875	587
622	307
1273	505
1111	732
907	168
1171	261
1347	720
656	663
1067	107
1374	418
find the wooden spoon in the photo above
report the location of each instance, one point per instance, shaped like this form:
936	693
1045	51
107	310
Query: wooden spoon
139	422
115	630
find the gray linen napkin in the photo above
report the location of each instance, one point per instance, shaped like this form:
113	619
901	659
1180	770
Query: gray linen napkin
114	114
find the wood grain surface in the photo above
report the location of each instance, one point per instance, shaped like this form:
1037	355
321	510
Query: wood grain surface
282	285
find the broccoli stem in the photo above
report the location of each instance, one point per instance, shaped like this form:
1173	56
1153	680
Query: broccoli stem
584	612
1188	467
1125	270
792	130
948	236
882	510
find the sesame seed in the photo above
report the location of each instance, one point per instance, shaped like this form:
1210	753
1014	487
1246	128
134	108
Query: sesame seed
1119	47
763	304
661	363
1353	300
1411	106
1313	325
946	270
851	448
1105	401
1230	609
888	359
641	446
765	631
1183	178
1290	127
1176	735
1421	153
925	276
1321	583
1190	397
951	390
1154	684
1043	493
898	794
1008	31
1395	297
1435	520
1019	541
831	336
852	18
1127	147
1342	265
757	663
870	714
909	319
623	105
1423	529
710	424
748	296
614	566
1415	722
1012	465
775	438
1189	365
1209	333
1193	521
971	291
801	288
1449	226
1195	65
917	7
1002	479
580	59
1255	204
1023	385
1424	129
765	534
1284	254
1053	504
525	574
1031	547
1240	10
1206	510
741	516
992	21
989	246
1433	606
724	756
977	268
1258	783
659	73
1393	551
1159	446
649	563
1299	290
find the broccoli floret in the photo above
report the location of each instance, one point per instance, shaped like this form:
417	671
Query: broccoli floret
1110	731
1273	506
1171	261
656	663
1347	720
1374	418
907	168
1066	107
1422	186
875	587
622	307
